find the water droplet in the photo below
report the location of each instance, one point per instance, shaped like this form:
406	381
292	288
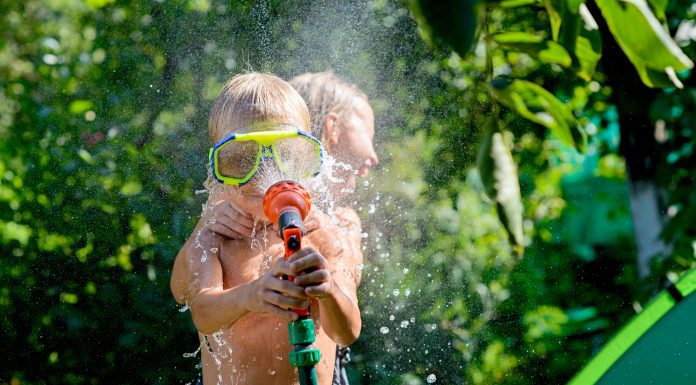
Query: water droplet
413	320
431	379
391	317
384	330
371	209
405	270
407	292
184	308
404	324
396	292
271	372
214	250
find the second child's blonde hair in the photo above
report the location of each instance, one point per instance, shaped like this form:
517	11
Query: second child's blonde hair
324	92
248	99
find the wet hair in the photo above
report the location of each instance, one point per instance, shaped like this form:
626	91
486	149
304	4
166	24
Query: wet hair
250	99
324	92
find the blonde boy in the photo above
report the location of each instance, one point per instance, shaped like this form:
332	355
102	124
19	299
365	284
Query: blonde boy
238	301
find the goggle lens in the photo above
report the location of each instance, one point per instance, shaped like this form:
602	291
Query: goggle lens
298	157
237	159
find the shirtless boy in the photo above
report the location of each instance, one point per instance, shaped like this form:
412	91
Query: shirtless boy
238	301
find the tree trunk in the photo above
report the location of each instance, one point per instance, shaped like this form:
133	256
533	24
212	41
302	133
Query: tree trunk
638	146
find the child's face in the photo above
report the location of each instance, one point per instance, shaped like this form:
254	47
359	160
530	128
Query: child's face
292	152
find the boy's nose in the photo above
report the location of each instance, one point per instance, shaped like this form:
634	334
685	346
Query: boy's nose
370	162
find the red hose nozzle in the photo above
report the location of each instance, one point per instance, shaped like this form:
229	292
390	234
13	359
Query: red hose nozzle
287	204
283	197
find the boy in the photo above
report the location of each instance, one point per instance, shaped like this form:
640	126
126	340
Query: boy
235	292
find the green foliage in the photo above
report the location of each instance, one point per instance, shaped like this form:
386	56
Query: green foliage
540	106
652	51
102	144
450	21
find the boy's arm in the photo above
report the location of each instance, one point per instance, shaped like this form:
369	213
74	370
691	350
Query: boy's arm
178	282
335	292
229	222
214	308
337	297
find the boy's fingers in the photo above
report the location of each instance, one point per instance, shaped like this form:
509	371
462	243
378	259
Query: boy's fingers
318	276
318	290
238	218
314	260
225	231
299	254
287	287
225	208
285	302
234	226
281	267
286	314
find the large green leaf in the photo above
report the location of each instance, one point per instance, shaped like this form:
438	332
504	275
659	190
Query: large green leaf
450	21
545	50
540	106
499	176
644	41
578	33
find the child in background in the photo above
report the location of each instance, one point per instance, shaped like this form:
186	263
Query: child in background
235	292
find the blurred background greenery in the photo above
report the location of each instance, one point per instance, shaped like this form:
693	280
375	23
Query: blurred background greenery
103	113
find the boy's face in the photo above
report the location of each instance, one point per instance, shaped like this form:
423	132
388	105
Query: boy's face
248	198
354	145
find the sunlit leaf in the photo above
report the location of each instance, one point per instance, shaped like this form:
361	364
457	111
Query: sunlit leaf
99	3
643	39
588	47
132	187
450	21
77	107
553	9
517	3
499	177
545	50
540	106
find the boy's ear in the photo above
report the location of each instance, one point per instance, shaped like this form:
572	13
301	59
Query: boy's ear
331	130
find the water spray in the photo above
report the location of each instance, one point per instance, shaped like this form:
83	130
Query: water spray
287	204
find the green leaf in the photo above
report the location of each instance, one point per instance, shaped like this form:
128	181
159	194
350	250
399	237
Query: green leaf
517	3
644	41
588	46
79	106
540	106
450	21
86	156
545	50
499	177
131	187
99	3
553	10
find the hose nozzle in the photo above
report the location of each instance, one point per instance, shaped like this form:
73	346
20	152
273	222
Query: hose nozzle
287	204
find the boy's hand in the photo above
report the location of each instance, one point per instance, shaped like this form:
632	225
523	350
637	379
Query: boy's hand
310	269
231	223
271	294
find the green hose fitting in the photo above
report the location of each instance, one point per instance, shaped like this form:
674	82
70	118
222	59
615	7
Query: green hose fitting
305	357
301	332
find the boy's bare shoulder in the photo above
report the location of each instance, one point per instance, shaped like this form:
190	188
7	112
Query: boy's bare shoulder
348	218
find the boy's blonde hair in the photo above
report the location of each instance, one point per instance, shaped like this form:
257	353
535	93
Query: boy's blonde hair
324	92
252	98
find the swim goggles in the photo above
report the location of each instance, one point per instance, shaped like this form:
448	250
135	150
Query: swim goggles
236	158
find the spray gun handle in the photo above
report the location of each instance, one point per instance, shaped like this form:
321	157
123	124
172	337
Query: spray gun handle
292	238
